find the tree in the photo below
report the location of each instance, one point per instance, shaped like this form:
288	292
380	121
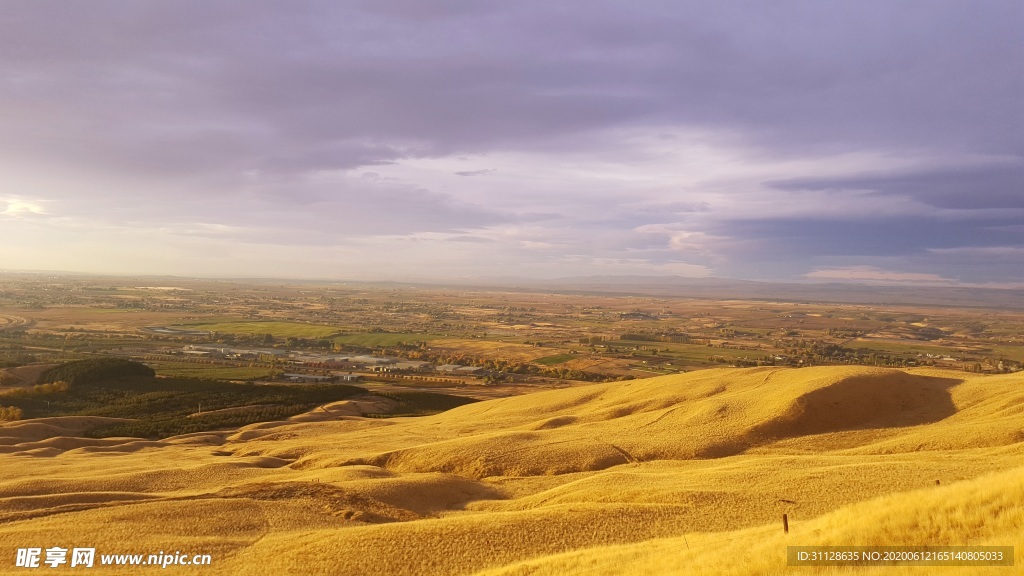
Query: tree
10	413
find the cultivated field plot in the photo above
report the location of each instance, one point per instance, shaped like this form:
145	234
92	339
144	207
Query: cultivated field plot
375	339
191	370
277	329
490	349
89	318
894	346
555	359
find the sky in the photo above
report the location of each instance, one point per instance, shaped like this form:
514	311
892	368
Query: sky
877	140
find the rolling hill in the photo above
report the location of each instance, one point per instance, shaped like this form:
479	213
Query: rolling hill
685	474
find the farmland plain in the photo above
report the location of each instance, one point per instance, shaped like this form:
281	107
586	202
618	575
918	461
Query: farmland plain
512	333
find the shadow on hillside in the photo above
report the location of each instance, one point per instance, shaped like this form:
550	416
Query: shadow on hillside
889	400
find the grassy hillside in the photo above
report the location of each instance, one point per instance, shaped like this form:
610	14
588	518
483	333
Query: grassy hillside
987	511
681	474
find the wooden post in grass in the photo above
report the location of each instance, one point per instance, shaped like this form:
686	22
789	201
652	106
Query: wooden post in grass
785	524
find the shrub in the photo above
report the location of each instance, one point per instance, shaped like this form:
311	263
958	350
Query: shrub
37	390
10	413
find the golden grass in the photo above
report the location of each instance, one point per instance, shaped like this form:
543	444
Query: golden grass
23	375
987	511
681	474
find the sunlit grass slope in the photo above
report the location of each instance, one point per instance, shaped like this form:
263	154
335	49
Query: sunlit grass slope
986	511
675	474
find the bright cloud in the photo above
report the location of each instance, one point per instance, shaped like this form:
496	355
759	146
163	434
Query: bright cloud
875	274
12	206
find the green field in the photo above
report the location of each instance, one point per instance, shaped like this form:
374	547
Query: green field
187	370
903	348
692	353
556	359
374	339
278	329
1007	351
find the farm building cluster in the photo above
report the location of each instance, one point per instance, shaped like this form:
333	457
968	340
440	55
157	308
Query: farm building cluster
342	367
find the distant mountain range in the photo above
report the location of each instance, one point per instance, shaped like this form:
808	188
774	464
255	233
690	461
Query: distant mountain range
661	286
727	289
